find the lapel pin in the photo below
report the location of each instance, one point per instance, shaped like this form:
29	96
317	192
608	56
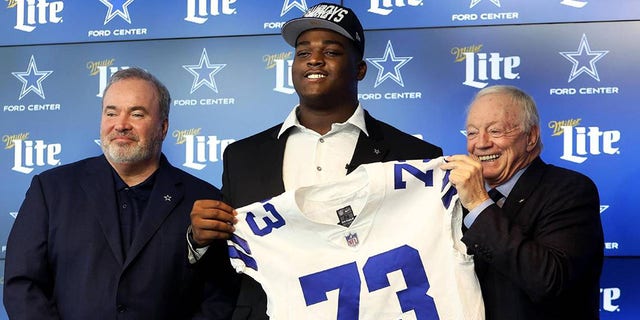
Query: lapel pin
167	198
376	151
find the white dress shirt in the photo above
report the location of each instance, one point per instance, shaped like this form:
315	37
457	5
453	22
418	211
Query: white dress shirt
311	158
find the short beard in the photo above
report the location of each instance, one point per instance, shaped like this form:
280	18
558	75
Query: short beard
131	153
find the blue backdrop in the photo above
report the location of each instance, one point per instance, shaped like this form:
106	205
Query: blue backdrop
228	72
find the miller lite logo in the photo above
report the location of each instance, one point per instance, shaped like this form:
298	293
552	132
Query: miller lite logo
609	297
284	82
29	154
481	67
104	69
200	150
580	142
385	7
199	10
281	63
30	13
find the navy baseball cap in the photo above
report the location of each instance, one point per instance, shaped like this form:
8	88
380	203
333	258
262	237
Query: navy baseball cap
326	16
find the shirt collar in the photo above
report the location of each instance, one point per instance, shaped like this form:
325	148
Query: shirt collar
120	185
356	119
506	187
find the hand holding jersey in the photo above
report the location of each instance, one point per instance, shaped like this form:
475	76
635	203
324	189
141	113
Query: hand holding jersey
466	176
211	219
303	245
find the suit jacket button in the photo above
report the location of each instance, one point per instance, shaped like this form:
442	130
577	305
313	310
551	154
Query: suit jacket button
121	308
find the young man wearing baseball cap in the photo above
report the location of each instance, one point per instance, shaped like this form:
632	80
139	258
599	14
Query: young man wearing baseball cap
326	136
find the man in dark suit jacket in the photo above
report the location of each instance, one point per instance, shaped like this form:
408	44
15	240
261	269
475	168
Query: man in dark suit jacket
103	238
538	252
326	136
253	166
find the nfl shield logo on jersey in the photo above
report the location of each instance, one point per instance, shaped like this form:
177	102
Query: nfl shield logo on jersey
352	239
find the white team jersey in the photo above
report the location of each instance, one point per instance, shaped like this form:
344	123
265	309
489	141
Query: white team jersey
381	243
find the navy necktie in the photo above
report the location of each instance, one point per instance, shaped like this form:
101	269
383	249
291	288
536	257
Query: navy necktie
496	196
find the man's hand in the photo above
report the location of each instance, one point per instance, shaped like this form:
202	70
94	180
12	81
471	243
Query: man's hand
466	176
211	220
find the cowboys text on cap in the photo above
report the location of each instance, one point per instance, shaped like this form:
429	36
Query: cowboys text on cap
327	12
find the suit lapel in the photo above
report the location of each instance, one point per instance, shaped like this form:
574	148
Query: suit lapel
525	186
369	148
98	188
166	194
271	170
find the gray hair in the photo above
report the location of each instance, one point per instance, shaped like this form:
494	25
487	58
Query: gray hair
138	73
521	99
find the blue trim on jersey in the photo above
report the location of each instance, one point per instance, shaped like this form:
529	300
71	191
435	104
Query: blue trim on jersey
242	243
250	262
448	196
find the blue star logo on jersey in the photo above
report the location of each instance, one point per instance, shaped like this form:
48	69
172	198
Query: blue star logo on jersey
584	60
121	10
392	62
289	4
32	79
203	72
474	2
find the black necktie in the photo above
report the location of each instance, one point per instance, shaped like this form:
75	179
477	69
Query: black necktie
496	196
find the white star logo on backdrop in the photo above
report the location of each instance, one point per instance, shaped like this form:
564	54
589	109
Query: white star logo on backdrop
203	72
32	79
121	10
589	57
397	62
474	2
603	207
289	4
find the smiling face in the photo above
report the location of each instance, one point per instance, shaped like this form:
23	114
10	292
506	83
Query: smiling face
496	135
132	128
326	69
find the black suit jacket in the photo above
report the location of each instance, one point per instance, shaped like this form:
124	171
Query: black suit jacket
65	260
253	172
540	255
